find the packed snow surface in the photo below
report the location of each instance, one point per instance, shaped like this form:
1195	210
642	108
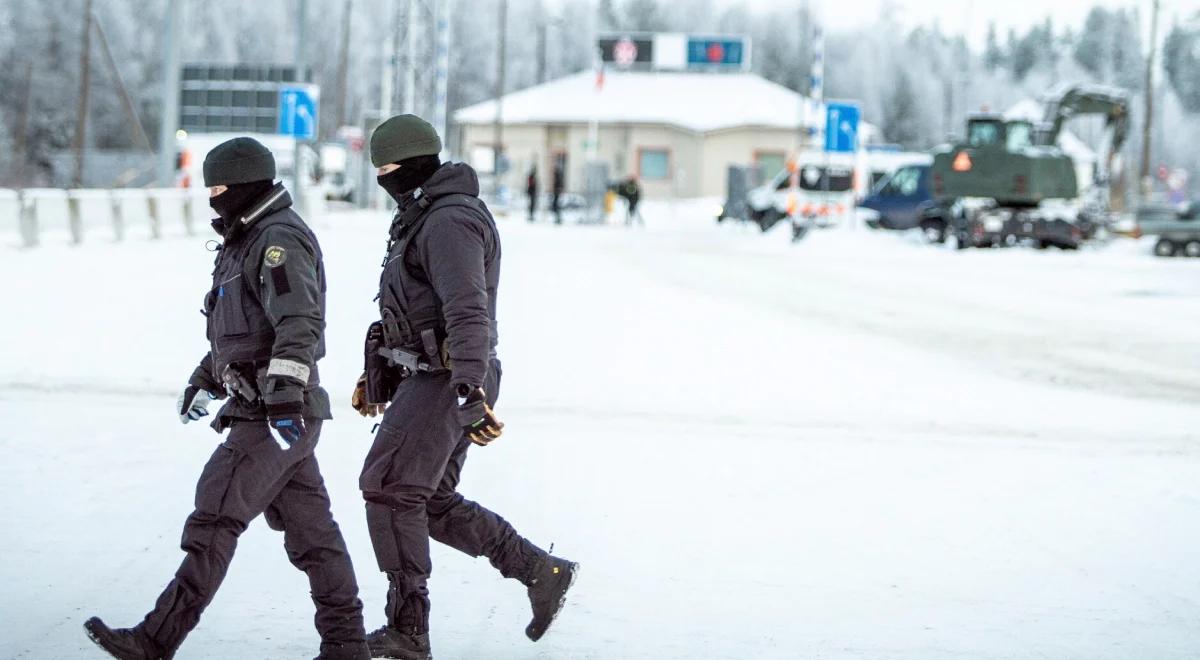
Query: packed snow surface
855	447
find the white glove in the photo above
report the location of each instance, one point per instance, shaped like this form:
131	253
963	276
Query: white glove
193	403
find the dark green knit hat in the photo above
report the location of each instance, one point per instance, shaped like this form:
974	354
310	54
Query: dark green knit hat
240	160
402	137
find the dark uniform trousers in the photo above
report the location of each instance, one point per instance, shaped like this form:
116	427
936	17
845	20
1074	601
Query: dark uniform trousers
409	482
246	476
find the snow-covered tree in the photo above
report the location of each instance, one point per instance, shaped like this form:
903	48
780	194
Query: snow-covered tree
1181	61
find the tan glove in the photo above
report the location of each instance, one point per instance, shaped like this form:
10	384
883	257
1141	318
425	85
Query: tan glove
479	423
359	399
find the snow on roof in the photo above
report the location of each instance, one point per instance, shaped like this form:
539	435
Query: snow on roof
693	101
1027	109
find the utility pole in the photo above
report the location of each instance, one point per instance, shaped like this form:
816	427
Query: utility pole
441	21
298	161
85	80
410	60
541	48
394	55
21	145
1148	118
498	128
169	123
343	66
805	42
387	76
135	123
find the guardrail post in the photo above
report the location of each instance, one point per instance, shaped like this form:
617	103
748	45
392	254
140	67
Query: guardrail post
118	220
155	217
29	225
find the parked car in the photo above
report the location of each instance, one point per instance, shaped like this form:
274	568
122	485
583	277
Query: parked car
900	200
1178	229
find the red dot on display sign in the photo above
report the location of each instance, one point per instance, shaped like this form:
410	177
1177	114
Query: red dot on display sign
625	52
716	52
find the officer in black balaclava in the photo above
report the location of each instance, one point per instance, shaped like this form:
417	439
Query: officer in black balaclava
266	324
436	388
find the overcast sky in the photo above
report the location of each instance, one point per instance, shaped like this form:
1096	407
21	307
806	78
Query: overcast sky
972	16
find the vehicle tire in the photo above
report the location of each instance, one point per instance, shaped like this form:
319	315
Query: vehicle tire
758	218
960	242
935	230
1191	249
1165	247
770	218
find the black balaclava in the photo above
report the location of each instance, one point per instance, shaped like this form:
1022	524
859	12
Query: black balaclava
409	176
235	201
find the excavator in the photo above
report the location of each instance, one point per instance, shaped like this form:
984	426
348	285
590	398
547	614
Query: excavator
1010	182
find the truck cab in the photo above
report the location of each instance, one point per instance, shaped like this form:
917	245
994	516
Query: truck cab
900	199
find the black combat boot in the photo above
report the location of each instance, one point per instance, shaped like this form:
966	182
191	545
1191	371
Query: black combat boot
548	585
389	642
357	651
122	643
406	635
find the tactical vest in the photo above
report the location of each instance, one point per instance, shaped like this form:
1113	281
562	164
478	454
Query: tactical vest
408	304
238	328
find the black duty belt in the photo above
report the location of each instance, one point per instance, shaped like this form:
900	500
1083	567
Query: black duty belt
429	359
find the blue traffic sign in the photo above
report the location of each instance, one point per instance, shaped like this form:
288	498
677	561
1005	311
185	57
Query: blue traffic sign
298	107
841	127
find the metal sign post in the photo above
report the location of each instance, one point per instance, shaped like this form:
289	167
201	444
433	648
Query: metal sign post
293	97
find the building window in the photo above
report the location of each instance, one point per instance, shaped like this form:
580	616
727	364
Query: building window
654	164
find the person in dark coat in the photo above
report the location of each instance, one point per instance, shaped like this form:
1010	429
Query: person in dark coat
437	302
631	191
266	325
556	191
531	191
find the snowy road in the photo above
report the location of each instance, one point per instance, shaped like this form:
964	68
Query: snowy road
857	447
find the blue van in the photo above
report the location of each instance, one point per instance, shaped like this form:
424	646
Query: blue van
902	199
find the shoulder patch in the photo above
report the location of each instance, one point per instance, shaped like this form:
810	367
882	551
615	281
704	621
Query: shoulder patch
274	256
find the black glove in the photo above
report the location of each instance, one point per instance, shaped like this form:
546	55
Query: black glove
287	423
285	411
476	416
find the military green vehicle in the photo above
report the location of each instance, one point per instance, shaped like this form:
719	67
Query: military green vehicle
1010	181
1178	230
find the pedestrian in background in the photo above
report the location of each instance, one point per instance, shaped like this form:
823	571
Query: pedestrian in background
631	191
531	191
556	191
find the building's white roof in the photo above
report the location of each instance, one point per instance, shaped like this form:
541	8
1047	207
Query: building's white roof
699	102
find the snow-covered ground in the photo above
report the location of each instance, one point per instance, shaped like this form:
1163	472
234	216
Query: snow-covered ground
854	447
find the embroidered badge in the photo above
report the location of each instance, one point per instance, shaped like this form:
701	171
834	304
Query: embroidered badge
274	256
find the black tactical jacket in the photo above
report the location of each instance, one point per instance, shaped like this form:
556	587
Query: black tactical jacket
442	271
266	312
